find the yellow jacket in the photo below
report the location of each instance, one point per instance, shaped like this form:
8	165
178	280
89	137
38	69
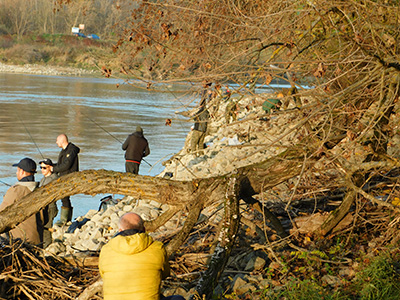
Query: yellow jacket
132	267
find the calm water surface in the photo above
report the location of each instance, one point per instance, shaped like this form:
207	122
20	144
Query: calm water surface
97	117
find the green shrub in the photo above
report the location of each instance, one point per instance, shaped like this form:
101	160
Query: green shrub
303	290
4	29
379	279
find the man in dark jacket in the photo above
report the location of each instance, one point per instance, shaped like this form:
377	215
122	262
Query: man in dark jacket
136	147
68	162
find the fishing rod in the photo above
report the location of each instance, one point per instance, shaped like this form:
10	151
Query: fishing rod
105	130
1	181
37	147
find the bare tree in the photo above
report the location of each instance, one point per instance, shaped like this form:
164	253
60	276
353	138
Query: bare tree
19	16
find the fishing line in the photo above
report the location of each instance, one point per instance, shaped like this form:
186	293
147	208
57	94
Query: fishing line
105	130
186	106
37	147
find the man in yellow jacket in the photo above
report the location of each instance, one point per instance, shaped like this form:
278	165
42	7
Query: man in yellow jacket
132	264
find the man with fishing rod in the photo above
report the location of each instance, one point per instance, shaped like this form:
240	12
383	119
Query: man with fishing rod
136	147
67	162
51	210
30	230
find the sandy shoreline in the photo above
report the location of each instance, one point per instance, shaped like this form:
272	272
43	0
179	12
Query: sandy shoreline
46	70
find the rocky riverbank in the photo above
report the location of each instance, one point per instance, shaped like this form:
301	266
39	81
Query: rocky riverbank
229	146
254	265
46	70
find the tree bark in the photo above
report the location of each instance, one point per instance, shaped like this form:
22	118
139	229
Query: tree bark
226	240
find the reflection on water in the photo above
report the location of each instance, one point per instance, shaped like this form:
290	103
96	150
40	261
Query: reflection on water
95	114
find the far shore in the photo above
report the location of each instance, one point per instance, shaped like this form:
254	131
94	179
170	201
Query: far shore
47	70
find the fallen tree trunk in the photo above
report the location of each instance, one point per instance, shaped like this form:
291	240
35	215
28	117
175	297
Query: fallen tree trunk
92	182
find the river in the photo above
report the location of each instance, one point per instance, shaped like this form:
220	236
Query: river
96	115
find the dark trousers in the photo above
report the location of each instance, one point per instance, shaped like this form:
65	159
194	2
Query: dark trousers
173	297
66	202
197	141
132	167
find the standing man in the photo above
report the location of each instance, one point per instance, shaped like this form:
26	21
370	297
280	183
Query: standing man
31	229
136	147
199	130
68	162
50	211
132	264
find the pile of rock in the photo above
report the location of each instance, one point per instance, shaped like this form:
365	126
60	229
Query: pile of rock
231	146
91	231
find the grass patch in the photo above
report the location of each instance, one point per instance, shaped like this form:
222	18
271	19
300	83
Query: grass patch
57	50
380	278
377	278
303	290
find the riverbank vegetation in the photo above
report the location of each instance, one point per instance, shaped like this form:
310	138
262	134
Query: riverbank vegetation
57	50
334	158
22	18
39	32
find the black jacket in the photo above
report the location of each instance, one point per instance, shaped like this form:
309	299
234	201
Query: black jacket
136	147
68	161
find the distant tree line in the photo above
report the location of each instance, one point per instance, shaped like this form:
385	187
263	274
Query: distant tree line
22	17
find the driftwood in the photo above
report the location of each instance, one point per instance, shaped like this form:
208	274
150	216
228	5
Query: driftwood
27	273
91	290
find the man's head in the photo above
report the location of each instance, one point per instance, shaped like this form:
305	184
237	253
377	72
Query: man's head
25	167
45	166
139	129
131	221
62	141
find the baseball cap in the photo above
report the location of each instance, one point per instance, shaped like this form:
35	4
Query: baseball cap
26	164
46	161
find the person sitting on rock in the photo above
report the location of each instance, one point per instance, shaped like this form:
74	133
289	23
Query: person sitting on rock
132	264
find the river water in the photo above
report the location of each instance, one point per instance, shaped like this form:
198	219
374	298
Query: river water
97	117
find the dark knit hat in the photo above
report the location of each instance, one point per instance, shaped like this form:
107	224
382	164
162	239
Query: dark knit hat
139	129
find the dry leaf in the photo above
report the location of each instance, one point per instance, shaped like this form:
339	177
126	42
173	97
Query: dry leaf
320	71
268	78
